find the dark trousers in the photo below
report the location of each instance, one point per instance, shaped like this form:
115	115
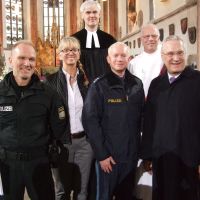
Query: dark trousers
34	175
92	182
118	183
173	180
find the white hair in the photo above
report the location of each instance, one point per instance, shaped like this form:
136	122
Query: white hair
126	47
152	26
172	38
89	3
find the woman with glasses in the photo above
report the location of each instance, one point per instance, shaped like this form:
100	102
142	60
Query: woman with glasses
71	84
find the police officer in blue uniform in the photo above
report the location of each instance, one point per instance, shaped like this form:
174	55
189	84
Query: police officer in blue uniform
112	119
28	110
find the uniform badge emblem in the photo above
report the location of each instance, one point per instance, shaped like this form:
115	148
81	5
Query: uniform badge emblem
61	112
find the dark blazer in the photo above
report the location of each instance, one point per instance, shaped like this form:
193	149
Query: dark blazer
58	82
172	118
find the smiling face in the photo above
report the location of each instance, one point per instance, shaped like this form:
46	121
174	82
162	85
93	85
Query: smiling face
70	55
118	58
23	61
69	49
150	38
173	55
91	16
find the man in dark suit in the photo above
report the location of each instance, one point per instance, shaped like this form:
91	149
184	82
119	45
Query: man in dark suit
171	137
94	42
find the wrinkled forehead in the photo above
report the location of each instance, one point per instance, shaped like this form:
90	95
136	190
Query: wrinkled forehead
23	50
150	31
173	45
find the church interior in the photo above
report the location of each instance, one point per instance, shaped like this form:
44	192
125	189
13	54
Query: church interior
45	22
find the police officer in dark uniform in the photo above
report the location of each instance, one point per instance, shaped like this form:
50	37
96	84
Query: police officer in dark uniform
28	110
112	119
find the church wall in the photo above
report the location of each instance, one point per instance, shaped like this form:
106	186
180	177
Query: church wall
165	13
188	10
162	8
122	23
27	20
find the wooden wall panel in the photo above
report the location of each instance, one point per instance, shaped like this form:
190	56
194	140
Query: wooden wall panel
105	16
73	17
33	14
113	18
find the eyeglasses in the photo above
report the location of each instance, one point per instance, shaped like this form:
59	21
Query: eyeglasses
67	51
148	36
171	53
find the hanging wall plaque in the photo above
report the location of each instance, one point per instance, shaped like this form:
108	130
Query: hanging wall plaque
184	25
139	42
171	29
161	34
133	43
192	34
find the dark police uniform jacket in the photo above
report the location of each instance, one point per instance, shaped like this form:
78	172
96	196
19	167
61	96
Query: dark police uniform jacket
24	121
112	116
172	118
58	82
94	59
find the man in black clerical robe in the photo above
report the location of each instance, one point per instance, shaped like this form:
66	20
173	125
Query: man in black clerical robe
94	42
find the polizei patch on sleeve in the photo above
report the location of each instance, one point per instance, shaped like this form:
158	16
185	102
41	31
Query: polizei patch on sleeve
61	113
6	108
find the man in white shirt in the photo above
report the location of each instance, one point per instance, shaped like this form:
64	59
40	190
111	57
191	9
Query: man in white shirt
146	66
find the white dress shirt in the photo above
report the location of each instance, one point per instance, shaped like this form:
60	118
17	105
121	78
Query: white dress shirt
75	105
146	67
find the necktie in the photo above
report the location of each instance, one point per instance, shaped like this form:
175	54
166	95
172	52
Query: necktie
172	79
93	44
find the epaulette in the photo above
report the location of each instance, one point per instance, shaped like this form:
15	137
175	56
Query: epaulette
98	78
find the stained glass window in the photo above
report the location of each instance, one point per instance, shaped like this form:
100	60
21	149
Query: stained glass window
53	12
14	21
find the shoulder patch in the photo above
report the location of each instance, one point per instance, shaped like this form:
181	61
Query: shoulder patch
61	112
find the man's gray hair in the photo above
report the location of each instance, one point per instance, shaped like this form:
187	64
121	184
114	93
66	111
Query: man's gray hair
150	25
172	38
89	3
119	44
